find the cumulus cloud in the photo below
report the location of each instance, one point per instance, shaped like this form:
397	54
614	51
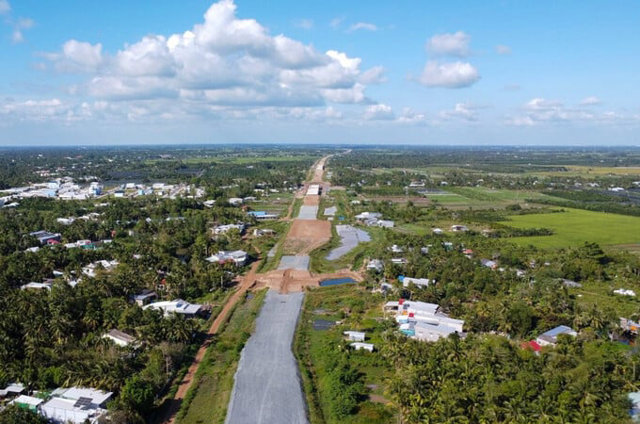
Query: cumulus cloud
379	112
449	75
223	61
503	50
590	101
453	44
464	111
77	56
367	26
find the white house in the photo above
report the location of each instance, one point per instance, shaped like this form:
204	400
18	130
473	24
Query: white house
239	257
459	228
550	338
423	321
36	286
362	346
368	215
355	336
13	389
437	231
119	338
75	405
420	282
177	306
222	229
375	264
235	201
91	269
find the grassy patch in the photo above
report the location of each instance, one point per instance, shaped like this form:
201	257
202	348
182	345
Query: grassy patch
208	397
318	351
573	227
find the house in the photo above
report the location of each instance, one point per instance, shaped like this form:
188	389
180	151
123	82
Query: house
634	398
44	236
75	405
368	215
533	345
423	321
550	338
36	286
223	229
630	326
396	249
66	221
459	228
376	265
119	338
209	203
177	306
146	297
239	257
27	402
570	283
235	201
355	336
384	223
625	292
437	231
263	216
362	346
13	389
489	264
420	282
91	270
259	232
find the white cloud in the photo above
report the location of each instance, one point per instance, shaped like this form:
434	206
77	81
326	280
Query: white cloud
5	7
453	44
374	75
464	111
303	23
223	61
336	22
379	112
590	101
503	50
363	26
542	111
77	56
408	116
449	75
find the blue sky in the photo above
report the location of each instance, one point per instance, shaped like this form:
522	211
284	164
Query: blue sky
409	72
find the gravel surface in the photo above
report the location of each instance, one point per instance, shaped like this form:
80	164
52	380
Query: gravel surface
267	385
350	236
294	262
308	212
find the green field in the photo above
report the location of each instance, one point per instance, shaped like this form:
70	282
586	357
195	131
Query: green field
319	351
575	226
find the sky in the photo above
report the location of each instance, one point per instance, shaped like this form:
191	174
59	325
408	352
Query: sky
280	71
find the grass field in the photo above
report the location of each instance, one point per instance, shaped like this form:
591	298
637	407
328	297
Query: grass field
317	349
208	397
574	226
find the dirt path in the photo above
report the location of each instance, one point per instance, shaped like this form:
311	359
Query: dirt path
171	408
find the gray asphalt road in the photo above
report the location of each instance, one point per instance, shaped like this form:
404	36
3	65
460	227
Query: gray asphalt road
294	262
267	386
308	212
